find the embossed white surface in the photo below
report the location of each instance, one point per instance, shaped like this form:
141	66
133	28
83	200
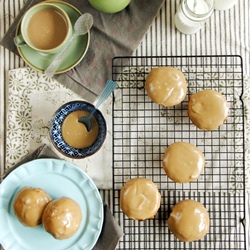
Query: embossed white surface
33	98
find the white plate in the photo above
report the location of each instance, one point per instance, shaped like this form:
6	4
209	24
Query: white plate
58	178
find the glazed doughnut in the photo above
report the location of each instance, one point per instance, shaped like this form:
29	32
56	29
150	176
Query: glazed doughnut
183	162
189	221
140	199
166	86
29	205
208	109
62	218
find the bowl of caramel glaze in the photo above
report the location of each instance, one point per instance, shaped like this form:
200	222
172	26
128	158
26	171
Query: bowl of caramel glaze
71	137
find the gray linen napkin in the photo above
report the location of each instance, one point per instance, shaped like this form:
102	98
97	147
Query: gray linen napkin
111	231
112	35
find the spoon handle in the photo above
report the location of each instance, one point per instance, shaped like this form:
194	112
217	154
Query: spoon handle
108	89
52	68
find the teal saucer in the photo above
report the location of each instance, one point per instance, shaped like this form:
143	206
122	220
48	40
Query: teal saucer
74	55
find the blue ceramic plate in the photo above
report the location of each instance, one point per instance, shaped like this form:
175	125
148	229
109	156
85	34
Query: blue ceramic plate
58	178
74	55
56	130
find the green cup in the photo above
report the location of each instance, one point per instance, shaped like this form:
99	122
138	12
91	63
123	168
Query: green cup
45	27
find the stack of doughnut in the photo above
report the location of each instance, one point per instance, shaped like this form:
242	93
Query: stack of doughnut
182	162
208	109
61	218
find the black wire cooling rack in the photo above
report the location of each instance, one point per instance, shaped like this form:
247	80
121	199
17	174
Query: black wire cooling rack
142	130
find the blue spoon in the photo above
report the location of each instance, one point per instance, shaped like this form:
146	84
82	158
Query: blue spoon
108	89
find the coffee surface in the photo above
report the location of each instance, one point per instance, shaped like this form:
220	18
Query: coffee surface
47	29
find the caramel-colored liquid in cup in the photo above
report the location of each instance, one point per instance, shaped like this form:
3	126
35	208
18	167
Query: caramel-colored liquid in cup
47	29
75	133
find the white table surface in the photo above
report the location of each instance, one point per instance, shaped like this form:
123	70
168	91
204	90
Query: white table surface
225	33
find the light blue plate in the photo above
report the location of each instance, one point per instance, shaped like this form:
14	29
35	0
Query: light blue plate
58	178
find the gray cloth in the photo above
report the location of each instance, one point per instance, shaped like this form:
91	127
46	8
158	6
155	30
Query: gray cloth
111	231
43	151
112	35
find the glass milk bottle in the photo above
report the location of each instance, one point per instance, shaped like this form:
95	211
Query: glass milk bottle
192	15
224	4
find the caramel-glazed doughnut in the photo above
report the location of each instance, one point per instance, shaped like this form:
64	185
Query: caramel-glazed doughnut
166	86
140	199
208	109
183	162
62	218
189	221
29	205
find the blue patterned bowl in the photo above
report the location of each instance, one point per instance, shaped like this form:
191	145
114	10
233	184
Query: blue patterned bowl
56	130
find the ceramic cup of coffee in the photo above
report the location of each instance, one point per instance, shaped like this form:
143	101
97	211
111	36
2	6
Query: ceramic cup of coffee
45	27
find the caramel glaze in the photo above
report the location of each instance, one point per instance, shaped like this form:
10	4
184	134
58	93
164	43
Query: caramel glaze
29	205
62	218
166	86
208	109
189	221
183	162
75	133
140	199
